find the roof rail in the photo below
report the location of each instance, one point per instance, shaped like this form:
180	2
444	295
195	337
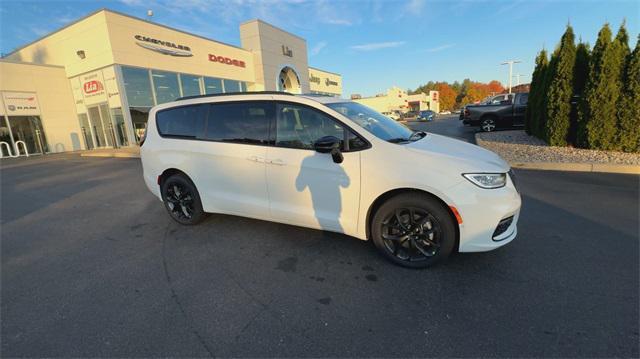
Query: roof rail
236	93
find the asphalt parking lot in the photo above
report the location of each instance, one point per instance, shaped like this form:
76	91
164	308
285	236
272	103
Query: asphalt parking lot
93	267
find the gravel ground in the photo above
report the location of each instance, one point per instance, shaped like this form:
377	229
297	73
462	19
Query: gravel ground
517	146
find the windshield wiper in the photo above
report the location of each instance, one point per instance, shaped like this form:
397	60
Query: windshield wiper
398	140
414	136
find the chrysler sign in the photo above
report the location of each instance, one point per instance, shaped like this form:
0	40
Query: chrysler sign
163	47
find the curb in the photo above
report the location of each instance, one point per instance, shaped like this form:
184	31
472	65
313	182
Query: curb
571	166
577	167
111	155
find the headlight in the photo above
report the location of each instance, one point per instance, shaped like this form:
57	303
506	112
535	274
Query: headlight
487	180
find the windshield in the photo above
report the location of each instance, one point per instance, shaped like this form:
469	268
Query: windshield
379	125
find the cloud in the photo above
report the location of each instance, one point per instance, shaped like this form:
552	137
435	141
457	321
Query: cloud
317	48
414	7
440	48
377	45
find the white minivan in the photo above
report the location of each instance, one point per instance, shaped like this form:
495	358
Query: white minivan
329	164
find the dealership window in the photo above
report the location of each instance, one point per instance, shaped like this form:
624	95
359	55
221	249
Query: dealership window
119	126
231	86
139	117
190	85
5	136
137	86
86	131
243	86
166	86
29	130
212	86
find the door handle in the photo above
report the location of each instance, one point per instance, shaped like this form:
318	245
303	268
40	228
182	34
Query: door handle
277	162
256	159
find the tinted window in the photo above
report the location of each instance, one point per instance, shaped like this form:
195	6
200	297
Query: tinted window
523	99
300	126
185	121
240	122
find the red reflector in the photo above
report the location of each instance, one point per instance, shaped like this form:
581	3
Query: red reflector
456	213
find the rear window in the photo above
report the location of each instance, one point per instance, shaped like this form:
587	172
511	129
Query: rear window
240	122
184	121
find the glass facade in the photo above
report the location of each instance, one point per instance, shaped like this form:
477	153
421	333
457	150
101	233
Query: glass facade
145	88
190	85
28	129
231	86
137	85
166	86
212	86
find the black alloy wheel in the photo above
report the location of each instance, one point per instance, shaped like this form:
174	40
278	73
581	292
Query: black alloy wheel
182	200
411	234
414	230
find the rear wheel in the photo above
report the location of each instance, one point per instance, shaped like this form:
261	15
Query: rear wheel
181	199
414	231
488	124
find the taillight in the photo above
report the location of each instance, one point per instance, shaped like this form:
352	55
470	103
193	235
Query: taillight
466	112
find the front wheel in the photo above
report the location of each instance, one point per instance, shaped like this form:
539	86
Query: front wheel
181	199
488	125
413	231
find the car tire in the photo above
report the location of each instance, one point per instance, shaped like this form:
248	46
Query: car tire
182	200
488	124
413	230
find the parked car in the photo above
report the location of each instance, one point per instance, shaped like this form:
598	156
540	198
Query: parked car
329	164
410	115
446	112
426	115
505	113
394	115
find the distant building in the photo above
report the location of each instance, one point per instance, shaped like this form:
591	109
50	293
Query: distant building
397	99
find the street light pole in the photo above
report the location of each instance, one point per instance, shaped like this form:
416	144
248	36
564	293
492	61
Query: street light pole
510	63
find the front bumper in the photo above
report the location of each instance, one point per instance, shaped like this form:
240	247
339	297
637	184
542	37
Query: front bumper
481	211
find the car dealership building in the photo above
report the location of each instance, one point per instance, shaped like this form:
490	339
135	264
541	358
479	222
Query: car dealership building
92	83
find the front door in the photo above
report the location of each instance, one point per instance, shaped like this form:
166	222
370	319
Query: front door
519	109
308	188
101	127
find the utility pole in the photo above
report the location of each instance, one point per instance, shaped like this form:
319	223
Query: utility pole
518	76
510	63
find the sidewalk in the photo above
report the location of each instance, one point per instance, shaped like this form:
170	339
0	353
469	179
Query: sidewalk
124	152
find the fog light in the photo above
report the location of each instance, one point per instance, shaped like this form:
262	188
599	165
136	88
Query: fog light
502	227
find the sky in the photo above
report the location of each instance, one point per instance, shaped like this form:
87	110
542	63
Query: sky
373	44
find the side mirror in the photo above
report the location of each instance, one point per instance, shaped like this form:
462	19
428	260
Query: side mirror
329	144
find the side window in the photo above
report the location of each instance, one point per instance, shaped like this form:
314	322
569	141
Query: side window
300	126
240	122
184	121
356	143
523	99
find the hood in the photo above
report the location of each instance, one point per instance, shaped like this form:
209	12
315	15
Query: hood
470	158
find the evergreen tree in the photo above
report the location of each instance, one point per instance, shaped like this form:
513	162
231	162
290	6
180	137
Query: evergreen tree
580	74
629	125
598	120
561	91
541	122
533	106
621	45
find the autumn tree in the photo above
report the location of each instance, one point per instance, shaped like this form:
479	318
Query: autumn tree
535	94
561	91
447	96
629	116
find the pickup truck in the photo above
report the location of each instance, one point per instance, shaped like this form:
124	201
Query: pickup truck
502	111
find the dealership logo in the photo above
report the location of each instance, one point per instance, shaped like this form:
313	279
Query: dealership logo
330	83
92	87
226	60
314	79
286	51
163	47
11	108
